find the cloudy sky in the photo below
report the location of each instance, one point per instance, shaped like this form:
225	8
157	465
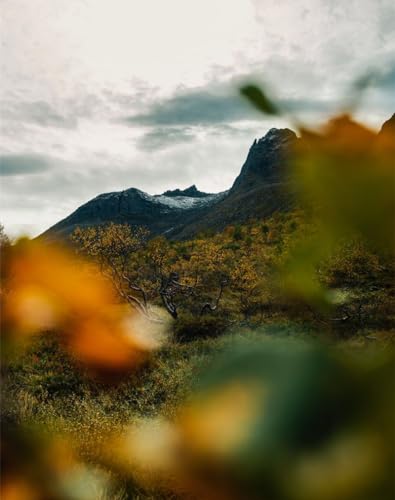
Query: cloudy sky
102	95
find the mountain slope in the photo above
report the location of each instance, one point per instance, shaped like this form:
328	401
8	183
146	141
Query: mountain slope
388	126
259	190
159	213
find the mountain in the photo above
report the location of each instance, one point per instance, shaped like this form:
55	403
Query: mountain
266	160
388	126
259	190
191	192
159	213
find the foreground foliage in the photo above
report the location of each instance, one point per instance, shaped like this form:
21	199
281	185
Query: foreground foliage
113	400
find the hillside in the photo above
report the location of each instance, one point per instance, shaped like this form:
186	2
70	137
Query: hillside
215	365
259	190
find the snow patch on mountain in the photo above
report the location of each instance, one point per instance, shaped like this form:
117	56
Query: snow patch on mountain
185	202
167	202
182	202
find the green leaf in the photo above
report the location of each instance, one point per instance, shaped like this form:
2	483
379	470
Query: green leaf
259	99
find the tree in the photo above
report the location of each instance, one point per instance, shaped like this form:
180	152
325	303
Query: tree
113	246
4	239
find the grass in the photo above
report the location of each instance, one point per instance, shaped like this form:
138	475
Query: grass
45	383
44	387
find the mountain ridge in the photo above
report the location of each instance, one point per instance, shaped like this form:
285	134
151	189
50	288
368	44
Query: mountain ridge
261	188
181	213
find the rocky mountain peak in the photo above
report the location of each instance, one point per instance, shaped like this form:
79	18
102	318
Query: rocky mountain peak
191	191
276	136
259	190
389	125
266	158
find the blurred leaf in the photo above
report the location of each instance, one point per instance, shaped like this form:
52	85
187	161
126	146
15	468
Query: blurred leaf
50	289
344	176
263	411
357	90
347	175
298	276
259	99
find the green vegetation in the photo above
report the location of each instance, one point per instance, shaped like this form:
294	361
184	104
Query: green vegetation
49	388
46	388
211	283
273	374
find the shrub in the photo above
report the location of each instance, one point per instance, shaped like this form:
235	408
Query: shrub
189	327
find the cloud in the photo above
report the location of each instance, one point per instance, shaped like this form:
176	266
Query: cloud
23	164
386	18
39	113
193	107
65	89
163	138
55	193
386	80
61	113
212	106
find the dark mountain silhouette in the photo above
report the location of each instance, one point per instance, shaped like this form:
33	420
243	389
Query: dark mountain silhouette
389	125
178	214
159	213
192	192
261	189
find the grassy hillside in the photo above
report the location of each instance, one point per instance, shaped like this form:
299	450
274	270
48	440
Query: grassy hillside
47	390
253	363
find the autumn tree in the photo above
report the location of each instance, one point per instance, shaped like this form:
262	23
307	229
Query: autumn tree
144	272
113	247
4	239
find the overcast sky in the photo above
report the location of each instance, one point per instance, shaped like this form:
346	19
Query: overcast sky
103	95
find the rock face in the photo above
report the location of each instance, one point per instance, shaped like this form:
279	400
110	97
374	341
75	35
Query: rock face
266	159
258	191
192	192
261	188
389	125
159	213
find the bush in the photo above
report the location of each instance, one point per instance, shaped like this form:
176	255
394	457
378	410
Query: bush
189	327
